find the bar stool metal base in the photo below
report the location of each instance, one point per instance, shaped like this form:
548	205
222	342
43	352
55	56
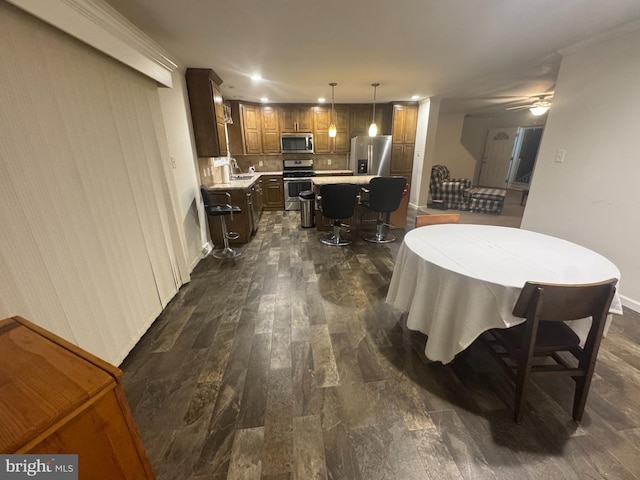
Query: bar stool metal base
226	253
334	239
381	235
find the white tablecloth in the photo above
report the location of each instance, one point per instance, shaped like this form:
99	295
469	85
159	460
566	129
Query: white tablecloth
457	281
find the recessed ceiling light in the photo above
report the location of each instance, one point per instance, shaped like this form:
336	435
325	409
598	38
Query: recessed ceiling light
322	100
415	97
256	77
264	99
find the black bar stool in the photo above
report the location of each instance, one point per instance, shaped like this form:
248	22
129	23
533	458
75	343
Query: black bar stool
338	202
384	196
221	210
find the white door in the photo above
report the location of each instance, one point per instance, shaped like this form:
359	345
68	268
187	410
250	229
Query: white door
498	153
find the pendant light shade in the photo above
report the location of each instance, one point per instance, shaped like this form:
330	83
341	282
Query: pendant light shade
373	128
332	127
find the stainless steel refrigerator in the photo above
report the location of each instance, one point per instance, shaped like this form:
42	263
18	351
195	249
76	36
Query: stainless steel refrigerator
370	155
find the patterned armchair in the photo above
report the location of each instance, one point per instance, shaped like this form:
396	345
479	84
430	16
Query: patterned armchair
449	191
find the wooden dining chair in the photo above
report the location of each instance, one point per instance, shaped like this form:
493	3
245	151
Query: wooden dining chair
532	348
437	219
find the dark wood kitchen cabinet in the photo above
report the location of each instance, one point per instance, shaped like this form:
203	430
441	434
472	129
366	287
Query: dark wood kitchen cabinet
404	123
207	112
295	119
59	399
272	192
242	223
270	129
361	116
321	123
251	128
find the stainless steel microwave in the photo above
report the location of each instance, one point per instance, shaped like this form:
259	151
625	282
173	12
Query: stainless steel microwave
296	142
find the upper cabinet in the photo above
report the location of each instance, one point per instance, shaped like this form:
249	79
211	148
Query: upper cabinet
270	130
405	121
260	129
362	115
296	119
251	128
207	112
403	130
321	123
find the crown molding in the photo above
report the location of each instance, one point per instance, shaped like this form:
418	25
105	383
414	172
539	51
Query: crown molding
614	32
99	25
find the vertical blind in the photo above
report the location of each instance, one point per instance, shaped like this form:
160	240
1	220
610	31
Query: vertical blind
89	243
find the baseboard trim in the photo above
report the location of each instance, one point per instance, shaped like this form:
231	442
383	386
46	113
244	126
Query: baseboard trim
630	303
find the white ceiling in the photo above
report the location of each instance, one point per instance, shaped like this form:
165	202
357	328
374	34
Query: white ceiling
474	55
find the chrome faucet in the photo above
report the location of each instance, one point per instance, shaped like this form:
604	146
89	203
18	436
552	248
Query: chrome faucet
234	166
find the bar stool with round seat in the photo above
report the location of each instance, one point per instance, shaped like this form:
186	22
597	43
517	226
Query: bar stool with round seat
338	202
385	195
221	210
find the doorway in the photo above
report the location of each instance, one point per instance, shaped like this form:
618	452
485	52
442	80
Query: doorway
498	154
524	158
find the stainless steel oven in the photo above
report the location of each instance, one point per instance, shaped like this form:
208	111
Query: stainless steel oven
296	175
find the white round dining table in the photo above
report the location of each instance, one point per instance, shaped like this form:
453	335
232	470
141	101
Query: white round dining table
457	280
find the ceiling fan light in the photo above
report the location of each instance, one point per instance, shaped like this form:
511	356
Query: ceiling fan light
333	131
538	110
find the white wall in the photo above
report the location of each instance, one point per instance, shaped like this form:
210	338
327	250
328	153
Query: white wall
177	118
592	198
90	244
449	149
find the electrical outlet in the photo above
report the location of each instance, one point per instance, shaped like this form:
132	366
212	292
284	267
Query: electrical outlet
261	163
560	156
173	162
329	162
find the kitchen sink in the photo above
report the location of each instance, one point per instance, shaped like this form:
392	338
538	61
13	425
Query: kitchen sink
241	177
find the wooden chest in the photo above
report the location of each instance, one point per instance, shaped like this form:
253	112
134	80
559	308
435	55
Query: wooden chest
56	398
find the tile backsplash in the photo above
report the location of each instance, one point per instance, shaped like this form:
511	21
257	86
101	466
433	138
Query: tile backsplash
273	163
270	163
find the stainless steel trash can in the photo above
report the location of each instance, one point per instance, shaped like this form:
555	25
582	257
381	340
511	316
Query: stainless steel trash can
307	209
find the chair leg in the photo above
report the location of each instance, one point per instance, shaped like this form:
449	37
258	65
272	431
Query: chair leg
581	393
225	252
522	387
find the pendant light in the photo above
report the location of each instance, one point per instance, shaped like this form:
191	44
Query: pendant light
332	127
373	128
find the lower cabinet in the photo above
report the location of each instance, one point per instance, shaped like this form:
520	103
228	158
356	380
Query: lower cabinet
272	192
242	223
59	399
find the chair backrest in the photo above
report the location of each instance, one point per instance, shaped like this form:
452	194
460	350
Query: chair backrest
205	196
437	219
338	200
553	302
385	193
439	173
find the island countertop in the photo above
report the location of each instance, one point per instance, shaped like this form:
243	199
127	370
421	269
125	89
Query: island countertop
356	179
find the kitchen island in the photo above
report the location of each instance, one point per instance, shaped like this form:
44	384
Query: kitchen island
361	214
362	218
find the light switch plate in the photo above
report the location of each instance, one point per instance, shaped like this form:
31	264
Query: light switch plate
560	156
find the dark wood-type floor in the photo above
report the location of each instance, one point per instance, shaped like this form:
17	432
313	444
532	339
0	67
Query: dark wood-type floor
287	363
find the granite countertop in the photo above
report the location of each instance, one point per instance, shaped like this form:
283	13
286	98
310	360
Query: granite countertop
246	182
251	178
320	173
357	179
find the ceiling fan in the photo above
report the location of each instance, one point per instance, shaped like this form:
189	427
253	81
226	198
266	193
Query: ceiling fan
538	107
